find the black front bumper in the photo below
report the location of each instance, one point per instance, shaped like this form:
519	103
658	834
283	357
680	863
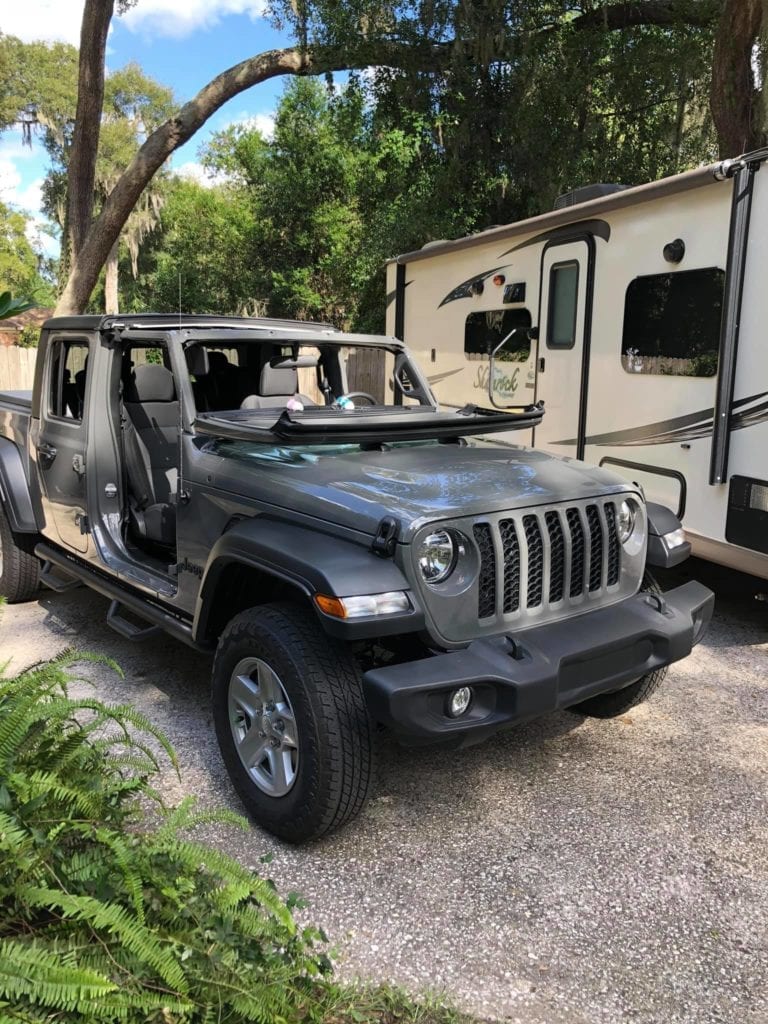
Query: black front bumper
528	673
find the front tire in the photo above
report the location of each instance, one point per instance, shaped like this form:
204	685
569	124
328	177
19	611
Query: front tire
19	568
291	722
611	705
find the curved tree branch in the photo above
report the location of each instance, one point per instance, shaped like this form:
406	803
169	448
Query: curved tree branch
428	57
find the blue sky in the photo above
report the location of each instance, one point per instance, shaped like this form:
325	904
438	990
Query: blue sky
181	43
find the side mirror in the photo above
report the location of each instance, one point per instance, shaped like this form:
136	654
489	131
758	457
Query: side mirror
507	371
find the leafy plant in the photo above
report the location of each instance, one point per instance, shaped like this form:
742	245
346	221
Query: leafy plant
12	307
108	910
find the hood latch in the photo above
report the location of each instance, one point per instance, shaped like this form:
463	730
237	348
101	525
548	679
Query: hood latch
386	537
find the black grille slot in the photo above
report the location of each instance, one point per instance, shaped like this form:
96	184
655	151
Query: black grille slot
613	544
486	598
557	557
577	552
511	548
596	547
535	561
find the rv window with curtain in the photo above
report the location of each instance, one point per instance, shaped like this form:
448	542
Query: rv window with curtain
672	323
484	331
563	303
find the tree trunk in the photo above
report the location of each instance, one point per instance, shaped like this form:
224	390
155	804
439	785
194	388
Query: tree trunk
81	170
93	250
734	99
111	300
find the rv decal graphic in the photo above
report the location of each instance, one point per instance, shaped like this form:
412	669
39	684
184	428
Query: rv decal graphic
437	377
504	384
598	228
683	428
464	290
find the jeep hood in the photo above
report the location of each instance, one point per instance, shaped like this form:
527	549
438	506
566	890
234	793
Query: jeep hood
416	483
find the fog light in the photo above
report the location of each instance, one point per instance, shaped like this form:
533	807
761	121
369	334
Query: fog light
459	701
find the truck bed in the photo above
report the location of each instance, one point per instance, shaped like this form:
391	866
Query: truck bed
16	401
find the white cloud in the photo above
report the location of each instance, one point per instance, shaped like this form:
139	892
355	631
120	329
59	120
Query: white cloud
44	19
179	18
10	179
60	19
30	199
263	123
195	172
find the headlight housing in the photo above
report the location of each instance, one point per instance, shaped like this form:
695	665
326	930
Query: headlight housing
437	556
625	520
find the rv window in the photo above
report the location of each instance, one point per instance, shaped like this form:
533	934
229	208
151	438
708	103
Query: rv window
672	323
484	331
563	301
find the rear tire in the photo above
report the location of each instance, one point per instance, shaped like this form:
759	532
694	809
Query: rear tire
610	705
19	568
291	722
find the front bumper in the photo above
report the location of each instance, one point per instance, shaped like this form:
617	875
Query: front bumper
526	674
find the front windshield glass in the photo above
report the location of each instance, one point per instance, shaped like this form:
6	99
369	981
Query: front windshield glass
257	378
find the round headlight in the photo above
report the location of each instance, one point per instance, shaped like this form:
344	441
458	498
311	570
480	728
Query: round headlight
625	521
437	556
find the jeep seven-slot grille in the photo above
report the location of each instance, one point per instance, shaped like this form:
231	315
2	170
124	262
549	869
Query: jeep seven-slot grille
546	558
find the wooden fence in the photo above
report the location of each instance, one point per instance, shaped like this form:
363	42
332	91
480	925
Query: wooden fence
17	368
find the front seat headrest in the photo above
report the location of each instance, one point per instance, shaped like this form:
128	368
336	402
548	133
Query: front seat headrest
278	380
198	362
150	383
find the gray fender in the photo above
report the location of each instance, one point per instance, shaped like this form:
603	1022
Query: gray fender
662	521
14	489
313	562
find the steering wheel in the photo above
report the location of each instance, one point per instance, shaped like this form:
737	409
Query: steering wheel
361	394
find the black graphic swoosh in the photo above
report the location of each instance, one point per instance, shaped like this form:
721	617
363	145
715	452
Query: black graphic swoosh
682	428
464	290
598	228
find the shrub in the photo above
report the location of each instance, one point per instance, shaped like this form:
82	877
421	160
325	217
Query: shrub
108	911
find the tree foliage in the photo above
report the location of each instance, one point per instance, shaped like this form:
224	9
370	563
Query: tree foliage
23	271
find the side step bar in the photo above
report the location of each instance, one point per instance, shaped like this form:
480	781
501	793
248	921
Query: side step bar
127	629
134	602
59	583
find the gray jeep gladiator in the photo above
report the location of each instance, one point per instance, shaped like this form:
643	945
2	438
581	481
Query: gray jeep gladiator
292	498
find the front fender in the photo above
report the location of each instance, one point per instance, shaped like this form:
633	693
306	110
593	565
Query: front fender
314	563
14	490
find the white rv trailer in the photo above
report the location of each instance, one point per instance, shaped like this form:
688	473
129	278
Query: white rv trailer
649	348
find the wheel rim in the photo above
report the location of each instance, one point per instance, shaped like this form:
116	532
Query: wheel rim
263	726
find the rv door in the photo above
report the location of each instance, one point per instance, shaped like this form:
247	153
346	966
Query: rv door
563	331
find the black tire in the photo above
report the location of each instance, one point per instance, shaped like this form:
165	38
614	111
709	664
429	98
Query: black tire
19	568
334	769
610	705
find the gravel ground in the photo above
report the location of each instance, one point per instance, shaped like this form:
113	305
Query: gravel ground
567	872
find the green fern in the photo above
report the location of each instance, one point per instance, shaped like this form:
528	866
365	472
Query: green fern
109	910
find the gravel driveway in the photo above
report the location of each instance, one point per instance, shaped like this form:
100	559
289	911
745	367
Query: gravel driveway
566	872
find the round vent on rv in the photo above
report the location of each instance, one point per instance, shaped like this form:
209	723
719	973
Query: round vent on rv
585	194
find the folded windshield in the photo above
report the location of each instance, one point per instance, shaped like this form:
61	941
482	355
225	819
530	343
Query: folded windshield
325	391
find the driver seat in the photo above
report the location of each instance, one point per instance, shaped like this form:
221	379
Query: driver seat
151	438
